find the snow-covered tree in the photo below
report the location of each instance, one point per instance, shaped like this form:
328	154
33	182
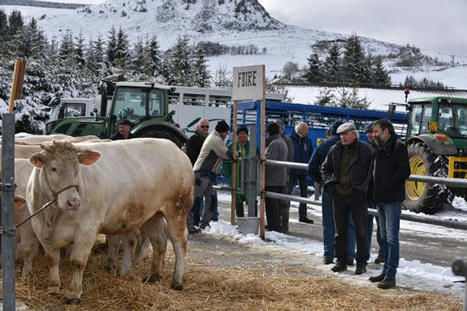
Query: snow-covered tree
154	56
314	71
381	76
67	48
349	99
325	98
180	57
353	62
3	32
111	50
79	50
122	51
332	65
201	76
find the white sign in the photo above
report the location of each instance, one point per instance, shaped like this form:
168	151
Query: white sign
248	82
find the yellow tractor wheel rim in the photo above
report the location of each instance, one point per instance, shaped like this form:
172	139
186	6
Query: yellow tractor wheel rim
415	189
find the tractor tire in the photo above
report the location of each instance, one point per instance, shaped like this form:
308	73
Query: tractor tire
423	197
163	133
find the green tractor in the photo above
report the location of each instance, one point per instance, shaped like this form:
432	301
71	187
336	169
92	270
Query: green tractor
437	146
145	105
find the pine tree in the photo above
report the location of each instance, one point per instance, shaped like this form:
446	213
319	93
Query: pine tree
325	98
314	71
368	76
201	74
180	62
52	50
15	23
79	50
67	47
122	51
350	99
154	57
353	62
3	32
381	76
332	65
138	60
111	46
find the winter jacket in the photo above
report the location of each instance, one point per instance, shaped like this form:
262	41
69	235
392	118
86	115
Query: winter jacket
227	167
391	169
276	150
318	157
213	152
118	136
193	146
360	167
302	151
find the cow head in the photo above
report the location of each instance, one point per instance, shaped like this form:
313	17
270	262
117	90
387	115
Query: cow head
59	163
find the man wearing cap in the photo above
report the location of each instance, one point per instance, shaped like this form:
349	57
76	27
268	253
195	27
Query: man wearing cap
391	170
206	167
314	166
124	128
346	173
243	146
371	204
275	175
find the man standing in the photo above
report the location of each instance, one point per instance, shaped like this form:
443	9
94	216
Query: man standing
371	204
285	205
243	146
391	169
195	142
302	154
346	174
193	148
314	166
275	175
124	128
206	167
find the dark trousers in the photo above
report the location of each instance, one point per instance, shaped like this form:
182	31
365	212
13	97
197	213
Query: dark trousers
355	204
273	208
303	184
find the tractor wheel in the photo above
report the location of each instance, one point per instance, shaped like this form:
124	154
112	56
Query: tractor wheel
164	133
420	196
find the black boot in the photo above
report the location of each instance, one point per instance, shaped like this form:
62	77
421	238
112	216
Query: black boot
387	283
377	278
380	259
361	268
339	267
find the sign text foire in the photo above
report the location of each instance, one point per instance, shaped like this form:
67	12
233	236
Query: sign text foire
248	82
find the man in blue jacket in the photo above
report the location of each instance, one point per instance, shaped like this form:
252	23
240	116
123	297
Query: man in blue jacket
302	154
314	167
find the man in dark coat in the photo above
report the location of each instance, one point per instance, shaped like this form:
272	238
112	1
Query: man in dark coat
124	128
391	169
302	154
346	173
195	142
314	166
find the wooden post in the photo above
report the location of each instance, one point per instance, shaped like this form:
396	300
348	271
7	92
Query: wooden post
234	164
262	166
17	86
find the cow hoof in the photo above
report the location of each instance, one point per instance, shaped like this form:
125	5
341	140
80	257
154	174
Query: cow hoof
72	301
177	287
53	291
152	278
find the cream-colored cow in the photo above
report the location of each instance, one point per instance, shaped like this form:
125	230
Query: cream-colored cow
111	188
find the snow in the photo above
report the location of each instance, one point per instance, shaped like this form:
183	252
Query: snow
410	274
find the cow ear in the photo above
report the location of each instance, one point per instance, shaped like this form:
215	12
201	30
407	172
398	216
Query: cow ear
37	160
19	200
88	157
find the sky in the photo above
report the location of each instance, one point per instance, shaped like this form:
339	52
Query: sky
437	26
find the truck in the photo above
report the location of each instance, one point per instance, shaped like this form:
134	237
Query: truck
181	109
436	141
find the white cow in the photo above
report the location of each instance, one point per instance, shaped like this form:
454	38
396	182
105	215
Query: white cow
133	185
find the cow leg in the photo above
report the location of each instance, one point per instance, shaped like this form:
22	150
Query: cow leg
143	244
156	230
113	247
53	260
79	256
129	245
178	234
30	247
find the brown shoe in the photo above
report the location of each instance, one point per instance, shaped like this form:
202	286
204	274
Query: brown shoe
377	278
387	283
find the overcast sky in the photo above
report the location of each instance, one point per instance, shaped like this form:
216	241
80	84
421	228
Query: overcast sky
436	25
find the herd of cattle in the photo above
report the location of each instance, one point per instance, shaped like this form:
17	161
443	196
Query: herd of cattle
124	189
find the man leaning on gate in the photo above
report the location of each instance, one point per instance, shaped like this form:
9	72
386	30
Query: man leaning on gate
346	174
391	169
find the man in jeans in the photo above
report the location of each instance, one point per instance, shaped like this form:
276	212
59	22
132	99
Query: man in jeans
391	169
346	173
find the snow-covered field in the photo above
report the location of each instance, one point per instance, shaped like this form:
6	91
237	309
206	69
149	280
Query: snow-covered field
411	273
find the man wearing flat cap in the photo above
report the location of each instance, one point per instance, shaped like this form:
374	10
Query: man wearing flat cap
124	128
346	173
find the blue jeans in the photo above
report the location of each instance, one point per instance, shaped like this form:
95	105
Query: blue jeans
389	222
303	184
329	230
378	232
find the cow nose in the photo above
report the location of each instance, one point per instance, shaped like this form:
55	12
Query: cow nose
73	204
